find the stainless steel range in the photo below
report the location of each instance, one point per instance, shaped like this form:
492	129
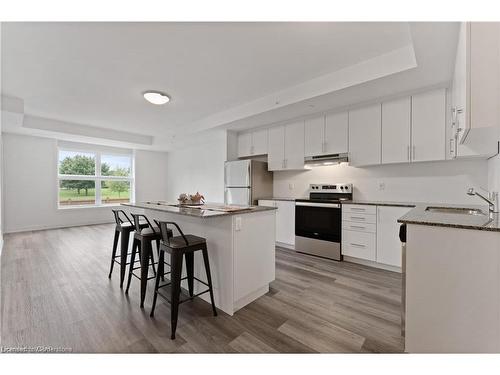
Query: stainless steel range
318	220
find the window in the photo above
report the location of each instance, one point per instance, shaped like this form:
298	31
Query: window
87	178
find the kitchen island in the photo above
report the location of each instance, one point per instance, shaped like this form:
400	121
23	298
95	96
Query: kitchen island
452	280
241	247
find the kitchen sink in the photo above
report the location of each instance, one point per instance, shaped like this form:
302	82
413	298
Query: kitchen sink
455	210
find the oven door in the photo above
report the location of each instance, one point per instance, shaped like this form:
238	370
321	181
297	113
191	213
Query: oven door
320	221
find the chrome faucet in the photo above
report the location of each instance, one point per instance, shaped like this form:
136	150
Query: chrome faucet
491	204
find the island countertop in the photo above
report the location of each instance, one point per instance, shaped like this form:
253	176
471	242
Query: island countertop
207	210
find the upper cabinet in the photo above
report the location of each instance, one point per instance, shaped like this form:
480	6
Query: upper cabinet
253	143
337	133
326	134
365	139
396	125
428	126
475	120
286	147
314	136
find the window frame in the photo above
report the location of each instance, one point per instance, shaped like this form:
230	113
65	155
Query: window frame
97	177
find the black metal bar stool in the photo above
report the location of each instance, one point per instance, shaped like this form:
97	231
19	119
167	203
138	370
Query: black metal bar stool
177	247
143	239
124	227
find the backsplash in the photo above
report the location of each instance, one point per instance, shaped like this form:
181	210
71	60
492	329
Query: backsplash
444	182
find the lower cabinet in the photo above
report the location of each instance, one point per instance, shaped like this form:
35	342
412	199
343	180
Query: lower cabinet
285	220
388	243
371	233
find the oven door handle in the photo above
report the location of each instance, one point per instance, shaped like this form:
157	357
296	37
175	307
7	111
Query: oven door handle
323	205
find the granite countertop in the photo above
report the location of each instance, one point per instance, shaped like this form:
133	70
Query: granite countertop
202	212
420	216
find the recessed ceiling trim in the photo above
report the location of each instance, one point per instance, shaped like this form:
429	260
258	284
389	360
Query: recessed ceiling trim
56	126
396	61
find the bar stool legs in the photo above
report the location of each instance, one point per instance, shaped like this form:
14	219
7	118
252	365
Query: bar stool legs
123	255
209	278
176	269
113	255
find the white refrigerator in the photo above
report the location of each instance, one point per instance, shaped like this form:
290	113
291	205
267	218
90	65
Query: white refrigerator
246	181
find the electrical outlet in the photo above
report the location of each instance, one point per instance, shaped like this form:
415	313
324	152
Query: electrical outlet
237	223
381	185
291	186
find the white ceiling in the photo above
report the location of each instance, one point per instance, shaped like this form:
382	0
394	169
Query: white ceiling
216	73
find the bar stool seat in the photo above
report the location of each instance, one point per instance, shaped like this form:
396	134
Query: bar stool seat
180	242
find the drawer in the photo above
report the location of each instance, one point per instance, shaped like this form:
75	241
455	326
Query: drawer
359	209
359	244
359	226
359	217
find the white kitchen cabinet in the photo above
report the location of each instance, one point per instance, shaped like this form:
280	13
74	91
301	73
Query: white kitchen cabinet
365	136
294	145
429	126
252	143
314	136
396	125
259	142
336	133
388	243
276	153
475	121
286	147
358	244
285	220
244	144
327	134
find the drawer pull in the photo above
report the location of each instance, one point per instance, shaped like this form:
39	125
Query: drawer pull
358	217
358	226
358	209
357	245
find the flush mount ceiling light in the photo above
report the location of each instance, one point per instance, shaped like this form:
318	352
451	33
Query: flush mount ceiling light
156	97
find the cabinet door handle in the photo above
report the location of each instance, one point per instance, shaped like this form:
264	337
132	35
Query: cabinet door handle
408	152
357	245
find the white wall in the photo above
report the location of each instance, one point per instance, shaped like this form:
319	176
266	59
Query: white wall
198	167
418	182
150	175
30	185
494	174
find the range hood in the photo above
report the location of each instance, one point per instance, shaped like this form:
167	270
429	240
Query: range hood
326	159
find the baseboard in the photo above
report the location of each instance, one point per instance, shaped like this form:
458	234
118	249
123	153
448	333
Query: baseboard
285	245
57	226
370	263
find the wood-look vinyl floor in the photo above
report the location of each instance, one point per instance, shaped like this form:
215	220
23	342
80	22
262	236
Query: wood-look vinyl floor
55	293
